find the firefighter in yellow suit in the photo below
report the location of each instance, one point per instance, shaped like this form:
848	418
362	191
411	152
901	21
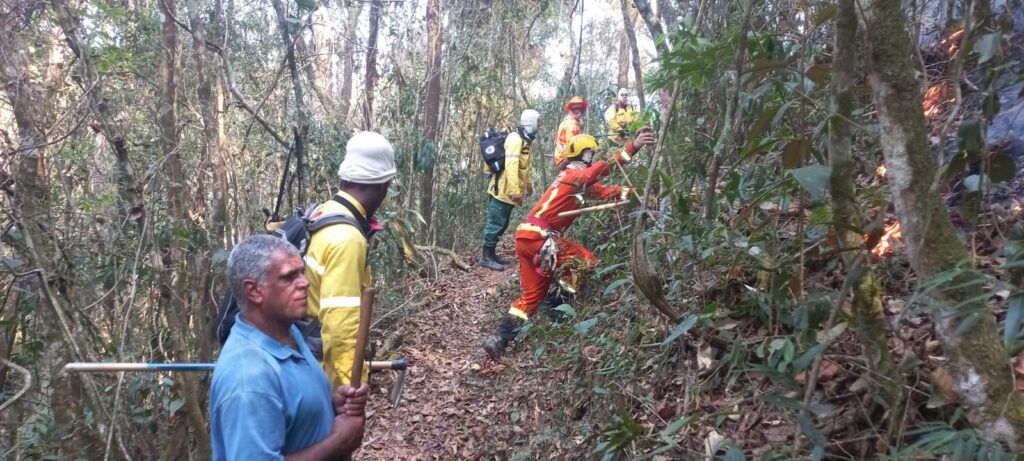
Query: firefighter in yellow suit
508	188
336	265
619	116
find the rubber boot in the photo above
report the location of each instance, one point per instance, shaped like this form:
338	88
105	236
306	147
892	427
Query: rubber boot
499	259
488	261
507	330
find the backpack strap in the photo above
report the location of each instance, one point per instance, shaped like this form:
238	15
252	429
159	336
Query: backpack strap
361	223
332	219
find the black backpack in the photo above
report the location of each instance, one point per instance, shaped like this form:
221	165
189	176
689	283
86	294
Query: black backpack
492	147
297	230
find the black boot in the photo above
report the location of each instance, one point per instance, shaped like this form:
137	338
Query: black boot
488	261
554	299
507	330
499	259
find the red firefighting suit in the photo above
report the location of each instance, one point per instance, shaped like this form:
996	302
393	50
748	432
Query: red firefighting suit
565	194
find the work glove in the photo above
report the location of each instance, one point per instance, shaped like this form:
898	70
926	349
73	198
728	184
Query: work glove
516	198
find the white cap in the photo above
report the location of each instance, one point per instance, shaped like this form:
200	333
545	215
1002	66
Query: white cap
623	93
369	159
529	120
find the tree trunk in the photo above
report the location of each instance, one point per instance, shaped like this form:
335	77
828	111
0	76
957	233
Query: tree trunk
302	113
868	311
622	78
565	88
348	59
963	321
669	15
206	96
431	109
628	21
128	186
732	120
653	25
370	82
175	277
167	113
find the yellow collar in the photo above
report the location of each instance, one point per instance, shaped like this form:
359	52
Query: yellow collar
354	202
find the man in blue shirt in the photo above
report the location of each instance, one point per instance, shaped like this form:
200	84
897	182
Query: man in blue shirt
270	399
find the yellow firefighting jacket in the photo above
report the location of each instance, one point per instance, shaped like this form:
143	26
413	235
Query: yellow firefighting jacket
337	272
619	119
515	178
566	130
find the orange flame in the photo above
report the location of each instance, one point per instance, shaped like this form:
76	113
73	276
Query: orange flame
952	42
881	170
891	235
934	98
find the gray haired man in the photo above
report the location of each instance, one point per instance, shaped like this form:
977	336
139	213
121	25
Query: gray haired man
269	398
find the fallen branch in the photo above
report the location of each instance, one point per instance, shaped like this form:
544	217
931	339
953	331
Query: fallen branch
606	206
456	260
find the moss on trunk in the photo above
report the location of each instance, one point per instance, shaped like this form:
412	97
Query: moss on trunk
867	304
967	329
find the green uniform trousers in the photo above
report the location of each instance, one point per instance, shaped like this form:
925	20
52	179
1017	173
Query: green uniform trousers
498	214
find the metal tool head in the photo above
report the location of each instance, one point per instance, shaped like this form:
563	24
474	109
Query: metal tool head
398	388
399	366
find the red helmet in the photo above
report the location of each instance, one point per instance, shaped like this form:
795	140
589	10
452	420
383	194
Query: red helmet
576	102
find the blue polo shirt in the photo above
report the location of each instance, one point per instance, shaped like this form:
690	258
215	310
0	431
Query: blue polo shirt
267	399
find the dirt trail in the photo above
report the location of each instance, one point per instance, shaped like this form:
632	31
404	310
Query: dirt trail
452	397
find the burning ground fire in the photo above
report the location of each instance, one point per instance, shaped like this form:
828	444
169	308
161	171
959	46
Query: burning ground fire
881	170
891	235
952	42
934	98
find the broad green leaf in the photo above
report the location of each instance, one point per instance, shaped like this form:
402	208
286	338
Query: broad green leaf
805	359
612	286
1014	316
607	269
669	432
969	137
1001	168
781	402
586	325
680	329
566	309
987	46
813	178
175	405
814	435
735	454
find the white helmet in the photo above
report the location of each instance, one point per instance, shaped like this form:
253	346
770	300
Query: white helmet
369	159
529	120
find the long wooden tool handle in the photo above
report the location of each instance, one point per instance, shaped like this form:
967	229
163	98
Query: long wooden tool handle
566	214
365	311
